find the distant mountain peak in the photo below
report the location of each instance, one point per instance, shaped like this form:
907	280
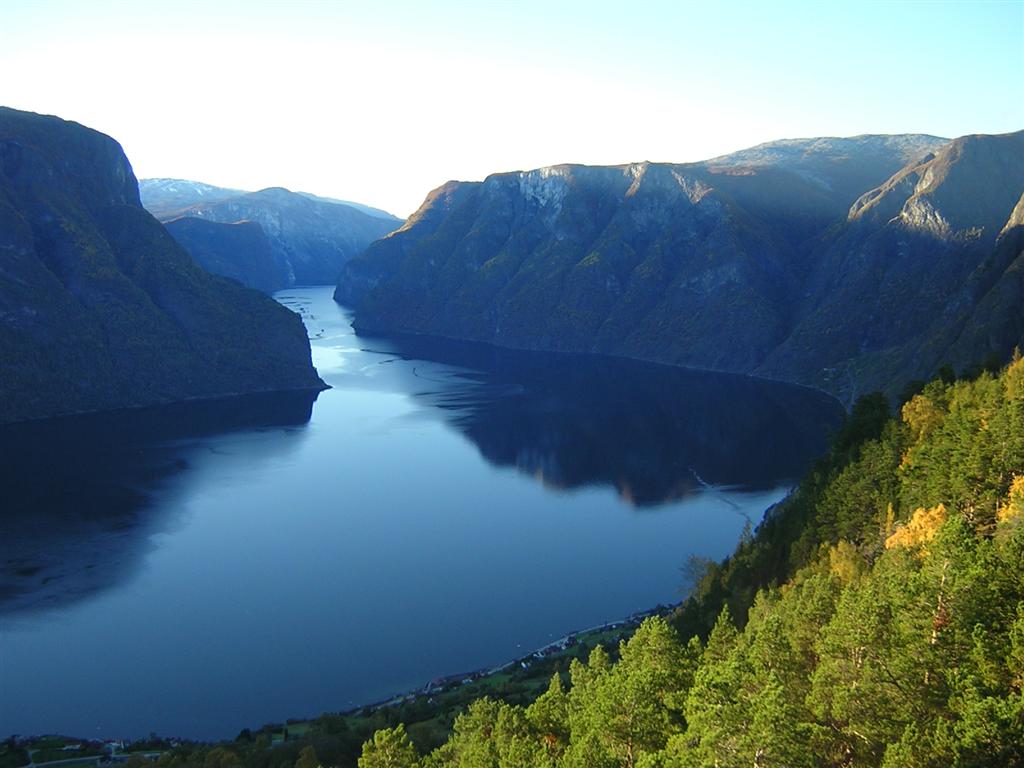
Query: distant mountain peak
908	145
377	213
168	198
968	183
307	238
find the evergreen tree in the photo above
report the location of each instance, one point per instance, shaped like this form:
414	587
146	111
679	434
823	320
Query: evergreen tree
389	748
549	716
307	758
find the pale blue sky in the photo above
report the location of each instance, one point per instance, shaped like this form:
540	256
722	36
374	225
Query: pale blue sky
382	101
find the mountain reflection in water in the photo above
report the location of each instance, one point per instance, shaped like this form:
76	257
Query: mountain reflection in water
654	433
77	514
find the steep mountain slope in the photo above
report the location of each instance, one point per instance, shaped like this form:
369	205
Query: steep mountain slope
997	321
310	238
240	251
891	290
99	307
700	264
576	258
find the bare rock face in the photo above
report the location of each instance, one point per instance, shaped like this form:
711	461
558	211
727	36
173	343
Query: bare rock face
99	307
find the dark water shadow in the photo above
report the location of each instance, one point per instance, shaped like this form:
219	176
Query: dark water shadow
77	506
655	433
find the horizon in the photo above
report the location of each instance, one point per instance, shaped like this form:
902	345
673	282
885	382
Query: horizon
382	105
554	165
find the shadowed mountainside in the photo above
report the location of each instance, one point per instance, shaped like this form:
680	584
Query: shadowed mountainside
839	263
240	251
894	285
87	527
654	433
309	237
99	307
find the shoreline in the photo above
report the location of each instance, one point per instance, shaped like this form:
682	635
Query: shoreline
553	650
448	682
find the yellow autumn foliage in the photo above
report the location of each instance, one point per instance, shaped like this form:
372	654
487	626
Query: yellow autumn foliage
845	561
922	415
1013	508
920	529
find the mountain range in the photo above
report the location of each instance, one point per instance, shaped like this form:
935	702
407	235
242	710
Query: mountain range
100	308
308	238
850	264
167	197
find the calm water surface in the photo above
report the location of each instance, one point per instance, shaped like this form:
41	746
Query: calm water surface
195	570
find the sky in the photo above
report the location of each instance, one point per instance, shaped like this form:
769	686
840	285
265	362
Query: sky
379	102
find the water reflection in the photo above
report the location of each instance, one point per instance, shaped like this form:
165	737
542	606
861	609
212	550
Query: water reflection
77	491
654	433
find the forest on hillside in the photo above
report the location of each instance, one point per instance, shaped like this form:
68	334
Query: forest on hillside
897	638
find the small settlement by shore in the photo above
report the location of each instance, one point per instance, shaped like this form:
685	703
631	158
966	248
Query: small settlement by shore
553	649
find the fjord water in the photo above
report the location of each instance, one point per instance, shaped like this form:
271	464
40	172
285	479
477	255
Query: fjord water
202	568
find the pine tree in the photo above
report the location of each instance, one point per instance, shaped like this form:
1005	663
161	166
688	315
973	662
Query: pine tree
549	716
389	748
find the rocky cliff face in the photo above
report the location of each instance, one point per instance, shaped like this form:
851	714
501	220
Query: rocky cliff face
766	261
310	238
99	307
